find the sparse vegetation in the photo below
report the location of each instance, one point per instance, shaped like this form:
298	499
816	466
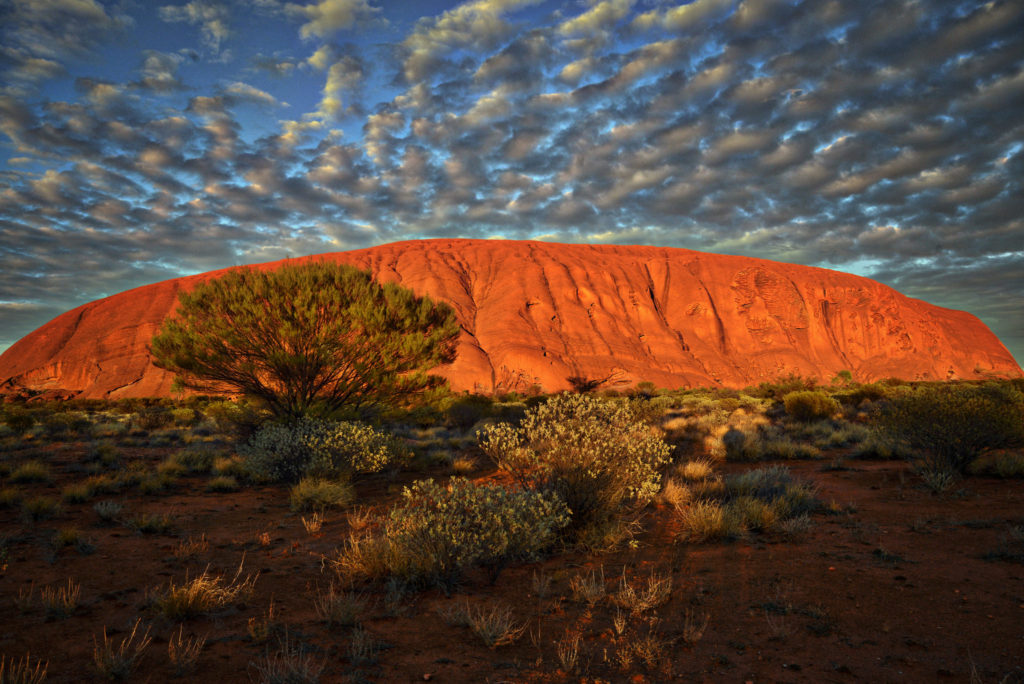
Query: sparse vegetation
585	618
119	662
203	594
23	670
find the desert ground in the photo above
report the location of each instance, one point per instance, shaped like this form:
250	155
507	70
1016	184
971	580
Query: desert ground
111	511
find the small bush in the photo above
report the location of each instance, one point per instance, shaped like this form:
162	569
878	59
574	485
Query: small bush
1006	465
438	531
184	652
706	520
319	448
107	510
808	406
316	494
951	425
60	602
596	455
339	608
19	420
151	523
196	460
183	416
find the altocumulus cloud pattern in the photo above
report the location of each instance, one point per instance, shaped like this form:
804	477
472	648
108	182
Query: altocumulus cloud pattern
145	141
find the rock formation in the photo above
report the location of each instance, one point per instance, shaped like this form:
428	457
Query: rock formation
536	313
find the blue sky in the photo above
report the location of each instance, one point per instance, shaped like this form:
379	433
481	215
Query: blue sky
141	141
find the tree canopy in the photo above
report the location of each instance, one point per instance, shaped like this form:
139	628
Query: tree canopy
304	336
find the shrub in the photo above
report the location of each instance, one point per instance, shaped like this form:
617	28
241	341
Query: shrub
807	406
19	420
594	454
316	494
319	448
951	425
438	531
107	510
1006	464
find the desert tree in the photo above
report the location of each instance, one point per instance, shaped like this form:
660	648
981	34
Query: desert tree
306	337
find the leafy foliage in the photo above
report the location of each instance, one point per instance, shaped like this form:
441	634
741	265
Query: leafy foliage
318	448
810	405
438	531
306	337
598	455
952	425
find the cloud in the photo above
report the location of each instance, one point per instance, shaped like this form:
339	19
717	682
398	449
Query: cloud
327	17
478	24
600	17
211	16
40	37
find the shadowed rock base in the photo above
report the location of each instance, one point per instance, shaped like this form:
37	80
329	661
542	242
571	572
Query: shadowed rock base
535	313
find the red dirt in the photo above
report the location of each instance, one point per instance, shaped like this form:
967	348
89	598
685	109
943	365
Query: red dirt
893	589
536	313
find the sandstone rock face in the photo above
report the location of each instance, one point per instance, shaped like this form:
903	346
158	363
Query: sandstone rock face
535	313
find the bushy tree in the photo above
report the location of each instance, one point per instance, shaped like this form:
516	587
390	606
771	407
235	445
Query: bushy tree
307	336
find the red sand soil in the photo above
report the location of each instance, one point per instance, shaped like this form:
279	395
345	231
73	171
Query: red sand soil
536	313
894	588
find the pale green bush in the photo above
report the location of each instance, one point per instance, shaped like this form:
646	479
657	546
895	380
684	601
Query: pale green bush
437	531
319	448
597	455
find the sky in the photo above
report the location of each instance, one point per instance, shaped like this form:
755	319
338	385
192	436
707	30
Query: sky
141	141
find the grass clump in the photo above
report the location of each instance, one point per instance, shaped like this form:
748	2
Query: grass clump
62	601
339	608
22	670
118	663
184	652
598	456
317	494
1007	464
290	664
31	471
222	483
437	531
203	594
10	497
40	508
760	500
151	523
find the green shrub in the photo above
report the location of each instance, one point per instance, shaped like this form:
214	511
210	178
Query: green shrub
951	425
808	406
319	448
196	460
19	420
437	531
316	494
183	416
595	454
1005	464
467	410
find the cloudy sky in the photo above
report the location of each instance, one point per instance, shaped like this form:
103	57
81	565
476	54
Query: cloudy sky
141	141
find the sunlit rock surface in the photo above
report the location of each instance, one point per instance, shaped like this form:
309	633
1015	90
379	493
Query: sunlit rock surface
536	313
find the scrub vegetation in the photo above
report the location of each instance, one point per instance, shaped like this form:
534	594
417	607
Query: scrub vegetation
705	533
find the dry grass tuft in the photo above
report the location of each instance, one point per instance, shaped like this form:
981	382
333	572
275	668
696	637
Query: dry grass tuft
204	594
119	662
